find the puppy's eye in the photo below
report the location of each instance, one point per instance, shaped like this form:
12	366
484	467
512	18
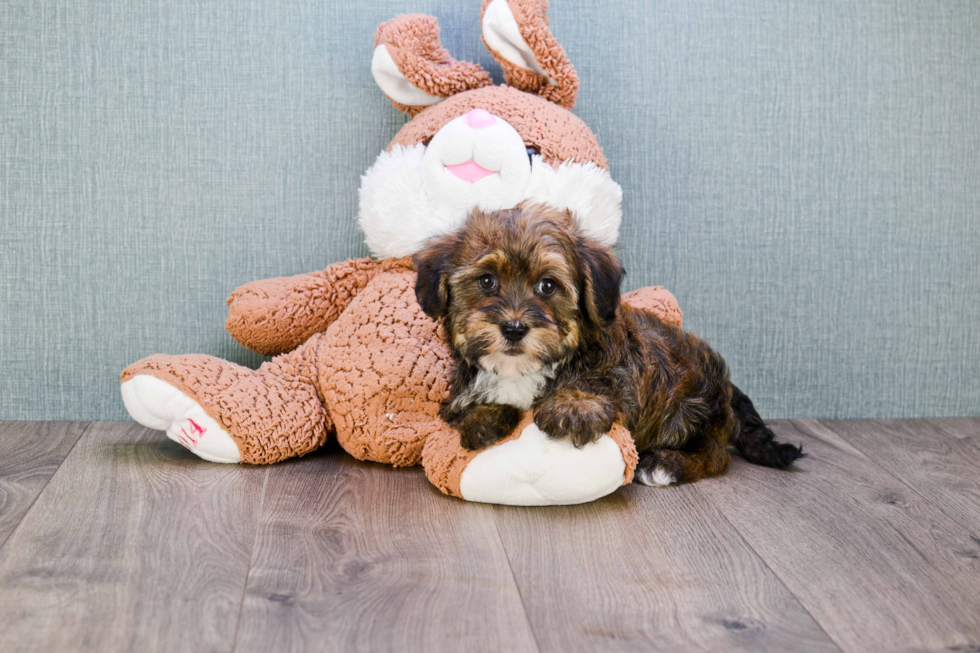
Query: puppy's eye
532	152
547	286
487	282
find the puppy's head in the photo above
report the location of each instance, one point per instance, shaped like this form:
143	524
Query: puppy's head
518	289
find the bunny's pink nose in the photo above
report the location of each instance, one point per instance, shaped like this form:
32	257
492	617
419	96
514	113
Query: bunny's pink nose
480	119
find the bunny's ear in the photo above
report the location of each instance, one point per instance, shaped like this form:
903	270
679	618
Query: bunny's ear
412	67
517	34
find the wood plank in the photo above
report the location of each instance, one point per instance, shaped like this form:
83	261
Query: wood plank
879	567
959	427
354	556
30	453
940	462
649	569
134	545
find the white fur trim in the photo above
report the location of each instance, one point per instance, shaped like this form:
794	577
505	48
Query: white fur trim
586	190
503	36
534	470
395	213
393	82
158	405
398	215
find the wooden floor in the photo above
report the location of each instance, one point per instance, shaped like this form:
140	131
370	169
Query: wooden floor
113	538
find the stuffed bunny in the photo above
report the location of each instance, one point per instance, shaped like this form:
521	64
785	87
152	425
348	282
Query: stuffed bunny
355	356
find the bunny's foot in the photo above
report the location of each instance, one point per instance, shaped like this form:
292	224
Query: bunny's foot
224	412
528	468
158	405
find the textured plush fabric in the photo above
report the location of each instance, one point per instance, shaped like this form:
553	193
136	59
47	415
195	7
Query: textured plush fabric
568	137
273	316
413	43
657	300
445	459
802	175
272	413
361	359
375	377
562	83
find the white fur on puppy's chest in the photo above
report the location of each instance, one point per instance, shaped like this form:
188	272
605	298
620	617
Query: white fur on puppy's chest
518	390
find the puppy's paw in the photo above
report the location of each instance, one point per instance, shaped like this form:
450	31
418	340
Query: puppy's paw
654	477
486	424
477	436
659	467
579	416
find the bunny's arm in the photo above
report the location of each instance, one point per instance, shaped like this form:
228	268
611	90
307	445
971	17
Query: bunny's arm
273	316
656	300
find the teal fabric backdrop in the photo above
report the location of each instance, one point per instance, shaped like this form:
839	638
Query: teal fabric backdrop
804	176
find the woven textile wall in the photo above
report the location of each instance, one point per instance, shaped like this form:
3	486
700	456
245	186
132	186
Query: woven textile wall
804	176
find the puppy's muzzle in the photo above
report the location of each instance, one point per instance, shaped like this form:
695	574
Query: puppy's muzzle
513	331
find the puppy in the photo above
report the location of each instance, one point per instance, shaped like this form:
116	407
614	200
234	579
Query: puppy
532	314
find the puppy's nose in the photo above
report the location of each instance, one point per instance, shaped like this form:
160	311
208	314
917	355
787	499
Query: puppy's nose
513	331
480	119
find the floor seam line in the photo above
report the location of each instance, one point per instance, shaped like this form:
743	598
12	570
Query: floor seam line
251	557
901	481
765	562
513	577
88	426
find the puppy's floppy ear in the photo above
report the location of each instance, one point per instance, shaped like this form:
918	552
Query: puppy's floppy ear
602	275
432	282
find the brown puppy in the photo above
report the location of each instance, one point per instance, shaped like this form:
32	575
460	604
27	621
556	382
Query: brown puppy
532	313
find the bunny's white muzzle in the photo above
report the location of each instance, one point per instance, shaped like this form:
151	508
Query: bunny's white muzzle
478	160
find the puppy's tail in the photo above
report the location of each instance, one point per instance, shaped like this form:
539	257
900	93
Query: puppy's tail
755	441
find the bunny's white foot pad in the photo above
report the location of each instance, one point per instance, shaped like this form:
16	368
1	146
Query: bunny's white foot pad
534	470
158	405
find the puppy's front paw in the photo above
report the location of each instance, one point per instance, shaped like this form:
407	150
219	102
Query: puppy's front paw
579	416
486	424
477	436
